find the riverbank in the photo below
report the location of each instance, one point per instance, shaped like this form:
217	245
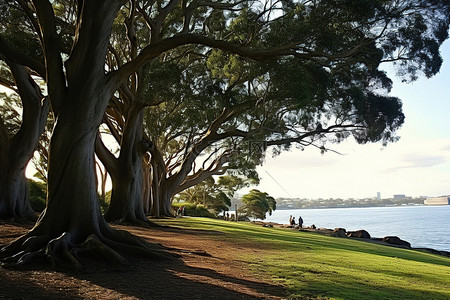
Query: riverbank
361	235
422	226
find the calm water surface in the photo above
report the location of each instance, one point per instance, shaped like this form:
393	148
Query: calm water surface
422	226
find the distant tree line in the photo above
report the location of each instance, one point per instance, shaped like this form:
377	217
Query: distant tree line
289	203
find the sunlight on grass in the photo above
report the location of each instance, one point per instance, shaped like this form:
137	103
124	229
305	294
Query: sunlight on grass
317	266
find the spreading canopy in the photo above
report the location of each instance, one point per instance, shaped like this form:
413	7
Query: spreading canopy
71	46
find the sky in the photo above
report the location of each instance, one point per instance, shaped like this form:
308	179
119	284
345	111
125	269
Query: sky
417	165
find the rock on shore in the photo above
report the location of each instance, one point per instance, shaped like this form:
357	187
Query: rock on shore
363	235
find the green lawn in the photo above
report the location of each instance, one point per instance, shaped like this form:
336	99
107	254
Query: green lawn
316	266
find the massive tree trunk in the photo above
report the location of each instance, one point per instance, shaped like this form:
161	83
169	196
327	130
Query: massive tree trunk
153	208
147	190
72	223
166	193
165	186
16	152
127	172
162	193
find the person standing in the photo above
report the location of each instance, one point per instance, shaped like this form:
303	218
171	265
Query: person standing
300	221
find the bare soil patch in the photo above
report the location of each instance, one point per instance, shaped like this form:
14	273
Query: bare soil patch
209	267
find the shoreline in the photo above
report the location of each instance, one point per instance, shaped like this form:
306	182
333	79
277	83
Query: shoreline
391	241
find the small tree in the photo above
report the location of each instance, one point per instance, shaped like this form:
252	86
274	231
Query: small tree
257	204
208	193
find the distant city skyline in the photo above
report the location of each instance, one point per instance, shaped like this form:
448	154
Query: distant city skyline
417	165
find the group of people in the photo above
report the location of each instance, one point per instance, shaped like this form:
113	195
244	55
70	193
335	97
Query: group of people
226	216
292	221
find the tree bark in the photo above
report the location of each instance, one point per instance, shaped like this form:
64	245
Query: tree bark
147	190
17	151
165	200
127	177
14	197
162	193
154	209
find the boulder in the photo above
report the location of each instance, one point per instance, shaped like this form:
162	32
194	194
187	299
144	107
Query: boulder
361	234
395	240
339	232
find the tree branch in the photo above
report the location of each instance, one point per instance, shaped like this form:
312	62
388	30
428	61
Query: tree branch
55	77
18	57
153	50
105	156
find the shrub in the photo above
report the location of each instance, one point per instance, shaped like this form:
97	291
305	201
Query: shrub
105	204
193	210
38	195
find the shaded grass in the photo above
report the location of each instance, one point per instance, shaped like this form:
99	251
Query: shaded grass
316	266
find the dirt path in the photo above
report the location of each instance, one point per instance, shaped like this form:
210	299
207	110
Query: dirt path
209	268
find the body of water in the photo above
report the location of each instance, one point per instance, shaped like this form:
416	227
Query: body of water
422	226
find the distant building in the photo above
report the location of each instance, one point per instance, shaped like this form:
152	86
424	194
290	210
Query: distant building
378	195
399	196
444	200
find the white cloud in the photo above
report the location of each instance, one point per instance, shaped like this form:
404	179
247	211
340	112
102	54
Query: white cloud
405	167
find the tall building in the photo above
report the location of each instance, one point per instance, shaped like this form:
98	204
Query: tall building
378	195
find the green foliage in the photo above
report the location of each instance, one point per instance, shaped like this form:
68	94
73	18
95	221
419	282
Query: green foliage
9	113
229	184
105	204
210	195
223	65
38	195
193	209
257	204
17	30
158	82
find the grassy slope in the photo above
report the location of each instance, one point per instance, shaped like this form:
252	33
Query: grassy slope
313	265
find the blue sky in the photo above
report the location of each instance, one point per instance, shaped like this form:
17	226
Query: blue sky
417	165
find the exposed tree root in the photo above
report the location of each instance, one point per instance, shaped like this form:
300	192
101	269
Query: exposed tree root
64	251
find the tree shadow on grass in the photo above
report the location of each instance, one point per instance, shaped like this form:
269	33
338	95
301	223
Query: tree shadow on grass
20	286
141	279
176	280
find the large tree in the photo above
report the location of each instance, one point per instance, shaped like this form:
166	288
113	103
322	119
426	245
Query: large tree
227	124
79	91
26	101
17	145
347	35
